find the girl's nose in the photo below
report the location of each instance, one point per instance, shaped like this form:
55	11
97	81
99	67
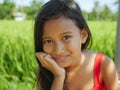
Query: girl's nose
59	48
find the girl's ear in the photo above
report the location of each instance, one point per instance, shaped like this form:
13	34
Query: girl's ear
84	35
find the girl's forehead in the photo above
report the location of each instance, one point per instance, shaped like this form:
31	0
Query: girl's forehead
61	22
59	26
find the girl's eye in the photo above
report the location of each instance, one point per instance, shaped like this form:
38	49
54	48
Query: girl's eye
47	41
66	37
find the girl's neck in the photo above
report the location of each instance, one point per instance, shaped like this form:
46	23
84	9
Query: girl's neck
77	65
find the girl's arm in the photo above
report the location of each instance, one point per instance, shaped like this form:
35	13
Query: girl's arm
59	73
58	83
109	74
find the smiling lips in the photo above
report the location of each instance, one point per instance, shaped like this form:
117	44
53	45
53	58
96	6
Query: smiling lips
61	58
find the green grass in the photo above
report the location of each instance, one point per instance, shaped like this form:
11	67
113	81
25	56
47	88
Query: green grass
18	65
104	37
17	62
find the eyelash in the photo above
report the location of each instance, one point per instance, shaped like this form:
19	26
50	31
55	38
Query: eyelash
47	41
67	37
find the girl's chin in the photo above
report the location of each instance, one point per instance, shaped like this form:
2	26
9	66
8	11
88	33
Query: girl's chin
63	65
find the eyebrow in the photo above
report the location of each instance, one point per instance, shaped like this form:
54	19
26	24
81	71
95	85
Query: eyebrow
68	32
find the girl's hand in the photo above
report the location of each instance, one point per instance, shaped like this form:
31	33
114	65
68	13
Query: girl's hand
48	62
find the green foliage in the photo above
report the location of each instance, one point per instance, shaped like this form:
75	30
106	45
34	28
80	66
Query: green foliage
33	9
17	60
18	65
104	37
98	12
6	9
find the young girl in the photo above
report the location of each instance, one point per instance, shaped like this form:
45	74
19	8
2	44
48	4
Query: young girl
61	38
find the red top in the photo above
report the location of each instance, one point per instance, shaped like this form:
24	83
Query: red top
97	66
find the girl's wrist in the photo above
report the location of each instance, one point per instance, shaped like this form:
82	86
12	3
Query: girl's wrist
60	75
58	82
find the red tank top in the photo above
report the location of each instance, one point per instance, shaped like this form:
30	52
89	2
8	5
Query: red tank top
97	66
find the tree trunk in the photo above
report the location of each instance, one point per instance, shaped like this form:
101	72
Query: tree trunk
117	53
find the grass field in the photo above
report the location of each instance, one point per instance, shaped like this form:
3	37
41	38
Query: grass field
17	61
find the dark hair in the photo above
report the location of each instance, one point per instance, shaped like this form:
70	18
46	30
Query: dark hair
51	10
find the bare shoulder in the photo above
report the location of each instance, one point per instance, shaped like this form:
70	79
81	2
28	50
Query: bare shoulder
109	73
89	52
108	66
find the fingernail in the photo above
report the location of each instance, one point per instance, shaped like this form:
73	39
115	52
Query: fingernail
37	54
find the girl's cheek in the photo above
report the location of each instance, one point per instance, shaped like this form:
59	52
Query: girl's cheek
48	49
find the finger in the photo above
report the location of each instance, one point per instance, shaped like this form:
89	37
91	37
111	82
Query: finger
40	55
47	57
50	61
46	60
41	59
44	56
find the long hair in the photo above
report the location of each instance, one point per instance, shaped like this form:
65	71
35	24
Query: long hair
53	9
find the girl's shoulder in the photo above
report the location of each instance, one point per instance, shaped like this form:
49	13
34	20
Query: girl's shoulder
89	56
109	73
89	53
107	65
107	62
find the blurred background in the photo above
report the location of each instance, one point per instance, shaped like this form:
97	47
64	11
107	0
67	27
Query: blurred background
18	66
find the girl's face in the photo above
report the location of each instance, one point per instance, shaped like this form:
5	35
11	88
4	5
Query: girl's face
62	39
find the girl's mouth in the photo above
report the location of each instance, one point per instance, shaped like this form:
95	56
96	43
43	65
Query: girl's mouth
61	58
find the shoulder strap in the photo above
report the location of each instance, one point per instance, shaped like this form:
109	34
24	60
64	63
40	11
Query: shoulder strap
97	67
